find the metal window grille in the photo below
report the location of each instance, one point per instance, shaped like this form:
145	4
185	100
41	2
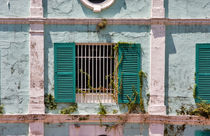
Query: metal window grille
95	66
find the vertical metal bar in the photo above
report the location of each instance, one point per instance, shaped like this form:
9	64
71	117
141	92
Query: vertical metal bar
85	57
78	69
107	70
103	49
100	71
110	90
81	73
93	72
96	69
89	66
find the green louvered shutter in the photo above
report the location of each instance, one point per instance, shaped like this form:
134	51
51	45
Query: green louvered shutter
129	55
64	72
202	133
203	72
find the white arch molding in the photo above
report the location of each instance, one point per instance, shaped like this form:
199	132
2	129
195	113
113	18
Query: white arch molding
97	7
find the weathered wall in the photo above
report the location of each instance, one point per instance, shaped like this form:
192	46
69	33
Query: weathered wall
75	9
14	129
14	67
183	130
180	63
14	8
87	33
187	8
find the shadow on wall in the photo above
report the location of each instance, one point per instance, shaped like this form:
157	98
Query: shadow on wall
109	12
166	8
171	47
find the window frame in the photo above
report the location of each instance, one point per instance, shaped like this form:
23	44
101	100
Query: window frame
97	7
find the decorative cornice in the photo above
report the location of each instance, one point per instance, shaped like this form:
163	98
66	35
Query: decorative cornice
125	21
132	118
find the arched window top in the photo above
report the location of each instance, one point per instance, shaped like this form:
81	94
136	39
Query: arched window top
97	5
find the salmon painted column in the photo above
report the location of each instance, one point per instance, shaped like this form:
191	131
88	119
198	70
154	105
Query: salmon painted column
157	68
36	100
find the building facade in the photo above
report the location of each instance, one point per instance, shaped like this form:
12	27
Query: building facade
95	59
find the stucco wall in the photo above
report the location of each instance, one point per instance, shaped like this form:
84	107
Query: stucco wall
87	33
75	9
183	130
14	129
180	63
14	67
14	8
187	8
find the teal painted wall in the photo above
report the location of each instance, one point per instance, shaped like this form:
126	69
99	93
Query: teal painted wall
14	129
14	68
75	9
59	129
187	8
136	130
183	130
14	8
87	33
180	63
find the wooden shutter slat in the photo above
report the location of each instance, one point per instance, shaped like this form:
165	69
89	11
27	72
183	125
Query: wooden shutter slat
64	72
128	71
203	72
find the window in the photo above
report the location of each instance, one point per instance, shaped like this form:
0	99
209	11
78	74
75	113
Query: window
203	72
82	72
97	5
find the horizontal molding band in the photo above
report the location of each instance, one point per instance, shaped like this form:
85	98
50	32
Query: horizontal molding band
74	21
131	118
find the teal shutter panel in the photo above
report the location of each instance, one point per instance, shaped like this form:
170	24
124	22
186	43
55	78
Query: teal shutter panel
203	72
64	72
202	133
129	67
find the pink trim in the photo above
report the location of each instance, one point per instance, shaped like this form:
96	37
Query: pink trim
36	129
156	130
132	118
124	21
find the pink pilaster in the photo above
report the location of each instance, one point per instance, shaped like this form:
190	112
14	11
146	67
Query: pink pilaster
157	68
36	100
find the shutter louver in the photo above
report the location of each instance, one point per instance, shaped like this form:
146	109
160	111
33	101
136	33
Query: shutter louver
64	72
203	72
202	133
129	67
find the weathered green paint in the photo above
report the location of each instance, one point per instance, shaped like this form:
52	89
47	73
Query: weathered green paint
75	9
88	33
14	129
14	46
129	66
136	129
180	63
64	72
187	8
14	8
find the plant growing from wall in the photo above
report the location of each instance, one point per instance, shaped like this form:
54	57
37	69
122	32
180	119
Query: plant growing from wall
195	87
102	109
1	109
142	75
101	25
49	102
69	110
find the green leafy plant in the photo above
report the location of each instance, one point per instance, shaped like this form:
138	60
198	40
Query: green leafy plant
203	109
69	110
114	111
142	75
1	109
102	109
84	118
49	102
101	25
